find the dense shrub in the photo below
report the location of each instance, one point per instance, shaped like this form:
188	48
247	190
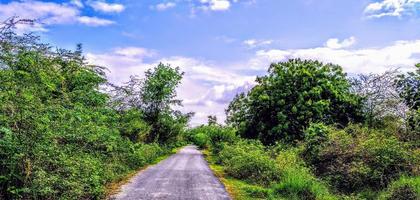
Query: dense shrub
132	126
405	188
355	158
145	153
297	181
219	136
201	140
242	146
249	163
213	136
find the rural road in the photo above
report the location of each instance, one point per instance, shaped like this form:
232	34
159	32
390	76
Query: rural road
185	175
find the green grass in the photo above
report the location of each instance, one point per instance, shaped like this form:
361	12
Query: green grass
237	189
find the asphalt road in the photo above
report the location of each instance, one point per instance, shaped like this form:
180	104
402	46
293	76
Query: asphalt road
185	175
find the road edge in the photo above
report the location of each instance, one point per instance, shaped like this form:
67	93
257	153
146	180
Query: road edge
115	187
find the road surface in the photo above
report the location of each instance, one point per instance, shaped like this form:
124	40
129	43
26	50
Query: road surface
185	175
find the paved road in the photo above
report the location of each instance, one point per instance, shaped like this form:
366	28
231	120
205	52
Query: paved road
185	175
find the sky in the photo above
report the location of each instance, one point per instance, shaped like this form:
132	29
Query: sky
223	45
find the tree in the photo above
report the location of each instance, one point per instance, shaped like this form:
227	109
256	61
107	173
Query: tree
158	95
211	120
292	95
408	86
380	96
54	123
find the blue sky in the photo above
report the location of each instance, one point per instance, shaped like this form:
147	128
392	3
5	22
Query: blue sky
223	44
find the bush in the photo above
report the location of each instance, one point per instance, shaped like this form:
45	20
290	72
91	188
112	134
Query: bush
356	157
405	188
212	136
239	148
201	140
253	165
219	136
144	154
297	182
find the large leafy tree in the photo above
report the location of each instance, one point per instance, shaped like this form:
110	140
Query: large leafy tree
151	100
158	96
292	95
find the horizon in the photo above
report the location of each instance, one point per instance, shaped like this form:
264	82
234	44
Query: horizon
222	45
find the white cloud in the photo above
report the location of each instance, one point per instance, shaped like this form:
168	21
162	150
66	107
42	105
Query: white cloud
207	88
334	43
403	54
393	8
215	5
252	43
164	6
219	5
134	52
94	21
48	13
103	6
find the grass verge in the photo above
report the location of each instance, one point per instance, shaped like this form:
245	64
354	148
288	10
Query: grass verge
237	189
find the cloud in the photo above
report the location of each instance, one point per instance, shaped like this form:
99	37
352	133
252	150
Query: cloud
253	43
163	6
334	43
402	54
392	8
205	89
215	5
208	87
103	6
48	13
134	52
94	21
219	4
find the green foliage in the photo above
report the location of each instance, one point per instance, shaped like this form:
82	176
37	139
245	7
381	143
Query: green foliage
355	158
212	136
132	126
409	88
297	181
256	191
290	97
405	188
158	94
247	161
59	138
201	140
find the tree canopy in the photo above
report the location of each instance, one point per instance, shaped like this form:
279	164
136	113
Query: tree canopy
292	95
